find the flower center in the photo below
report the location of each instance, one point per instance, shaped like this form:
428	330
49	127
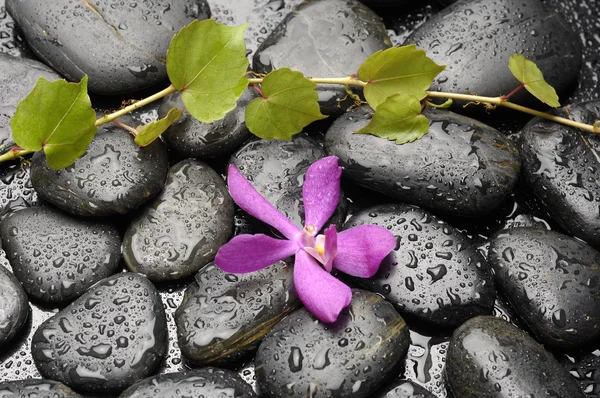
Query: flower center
318	246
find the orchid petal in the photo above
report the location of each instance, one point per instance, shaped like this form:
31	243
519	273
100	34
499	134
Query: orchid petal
249	253
253	203
321	191
321	293
361	250
330	247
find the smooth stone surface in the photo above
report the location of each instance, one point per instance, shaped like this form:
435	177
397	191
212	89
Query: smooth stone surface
489	357
16	189
224	316
348	358
561	166
277	168
324	38
121	46
57	257
36	388
552	281
435	273
582	17
460	167
114	176
206	382
262	16
14	306
188	137
404	389
182	229
11	40
18	77
476	38
112	336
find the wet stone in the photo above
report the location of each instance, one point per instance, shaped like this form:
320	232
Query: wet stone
582	17
324	38
205	382
121	46
481	35
14	306
188	137
435	273
112	336
18	77
348	358
552	281
262	16
57	257
489	357
224	316
560	166
460	167
36	388
16	189
404	389
114	176
277	168
11	38
182	229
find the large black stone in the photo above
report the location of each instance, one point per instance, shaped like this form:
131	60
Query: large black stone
561	167
224	316
348	358
36	388
14	306
460	167
182	229
476	38
109	338
57	257
201	383
121	46
113	176
489	357
189	137
323	38
435	273
552	282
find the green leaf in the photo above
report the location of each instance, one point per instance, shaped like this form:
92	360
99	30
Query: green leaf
148	133
397	69
289	104
57	117
207	62
532	78
398	118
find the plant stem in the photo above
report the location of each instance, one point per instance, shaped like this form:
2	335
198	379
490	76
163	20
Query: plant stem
112	116
12	155
344	81
133	131
507	104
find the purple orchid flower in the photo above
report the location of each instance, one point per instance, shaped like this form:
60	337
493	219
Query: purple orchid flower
357	251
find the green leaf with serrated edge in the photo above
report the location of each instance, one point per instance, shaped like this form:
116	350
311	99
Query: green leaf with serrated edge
207	62
151	131
532	78
398	119
397	69
289	104
57	117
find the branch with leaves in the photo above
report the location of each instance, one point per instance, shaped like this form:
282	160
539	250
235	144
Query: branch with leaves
207	64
